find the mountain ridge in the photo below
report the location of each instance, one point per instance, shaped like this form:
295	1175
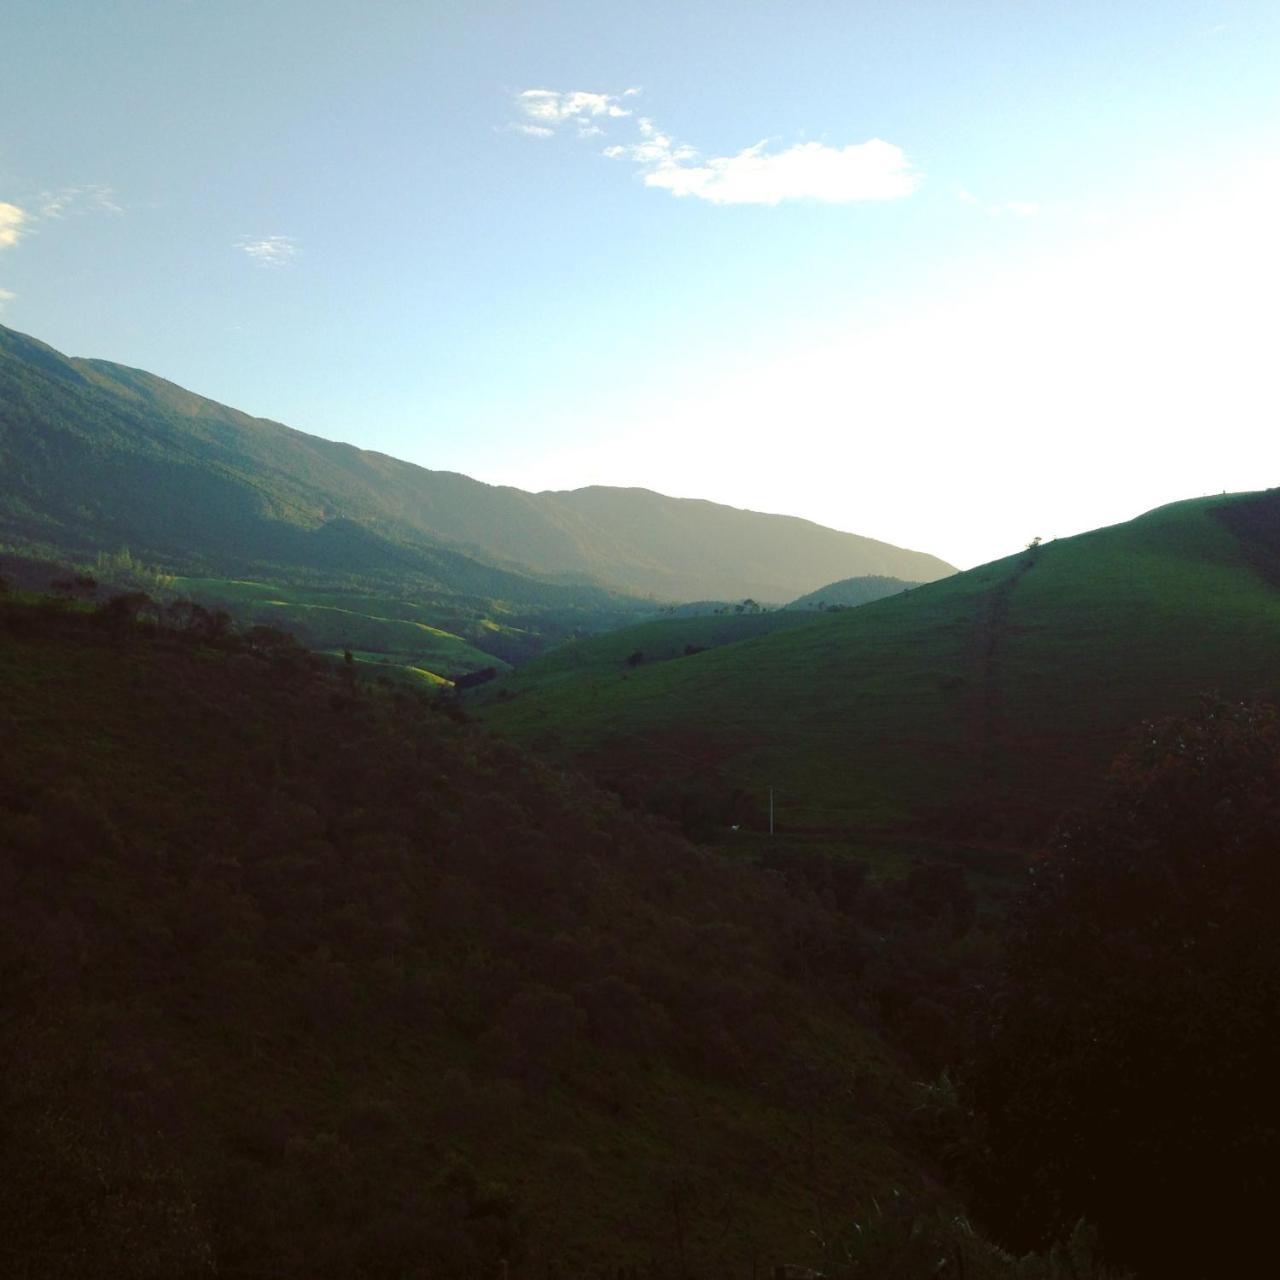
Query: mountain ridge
93	446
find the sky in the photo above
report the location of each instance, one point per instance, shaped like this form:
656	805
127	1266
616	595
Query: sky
949	274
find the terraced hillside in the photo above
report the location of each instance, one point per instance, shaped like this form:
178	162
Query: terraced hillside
975	707
430	641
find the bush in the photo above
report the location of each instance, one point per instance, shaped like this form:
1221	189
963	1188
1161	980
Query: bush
1129	1070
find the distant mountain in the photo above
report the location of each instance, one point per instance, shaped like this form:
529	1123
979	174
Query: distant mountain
852	591
685	548
95	455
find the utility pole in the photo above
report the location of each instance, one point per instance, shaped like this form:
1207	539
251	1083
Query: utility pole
771	811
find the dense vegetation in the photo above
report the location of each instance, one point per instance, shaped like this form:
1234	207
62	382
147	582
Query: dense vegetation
1130	1064
303	977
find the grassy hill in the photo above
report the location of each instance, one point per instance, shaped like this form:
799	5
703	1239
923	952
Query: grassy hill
975	707
644	643
95	455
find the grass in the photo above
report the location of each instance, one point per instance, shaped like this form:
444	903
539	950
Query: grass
659	640
980	705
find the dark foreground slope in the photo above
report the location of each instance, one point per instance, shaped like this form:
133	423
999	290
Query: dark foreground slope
95	455
977	707
304	979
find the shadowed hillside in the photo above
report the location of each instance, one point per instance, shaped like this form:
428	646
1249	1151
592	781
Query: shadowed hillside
303	978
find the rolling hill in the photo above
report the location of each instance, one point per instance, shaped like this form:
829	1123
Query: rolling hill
95	456
644	643
975	708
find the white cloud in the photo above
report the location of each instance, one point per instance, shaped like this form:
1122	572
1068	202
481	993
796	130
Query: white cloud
12	224
269	251
94	198
6	295
872	170
547	109
16	223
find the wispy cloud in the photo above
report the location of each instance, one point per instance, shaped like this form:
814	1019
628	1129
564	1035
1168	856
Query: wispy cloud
6	295
16	223
93	198
543	111
871	170
1016	208
13	224
269	251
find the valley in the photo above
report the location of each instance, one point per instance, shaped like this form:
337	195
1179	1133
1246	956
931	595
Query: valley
579	911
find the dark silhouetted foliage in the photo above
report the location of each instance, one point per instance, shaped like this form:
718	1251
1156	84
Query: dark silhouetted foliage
1130	1070
474	678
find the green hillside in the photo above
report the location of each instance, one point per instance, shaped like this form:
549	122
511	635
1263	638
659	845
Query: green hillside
975	707
644	643
95	456
379	629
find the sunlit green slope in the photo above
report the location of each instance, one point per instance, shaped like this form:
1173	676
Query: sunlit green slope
645	643
382	630
977	706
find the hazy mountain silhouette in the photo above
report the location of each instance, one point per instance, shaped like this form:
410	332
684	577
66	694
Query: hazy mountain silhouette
96	455
850	592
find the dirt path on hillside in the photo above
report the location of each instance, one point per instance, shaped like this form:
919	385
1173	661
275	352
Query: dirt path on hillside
985	724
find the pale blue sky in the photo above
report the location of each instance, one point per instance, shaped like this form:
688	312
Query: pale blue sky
1044	301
